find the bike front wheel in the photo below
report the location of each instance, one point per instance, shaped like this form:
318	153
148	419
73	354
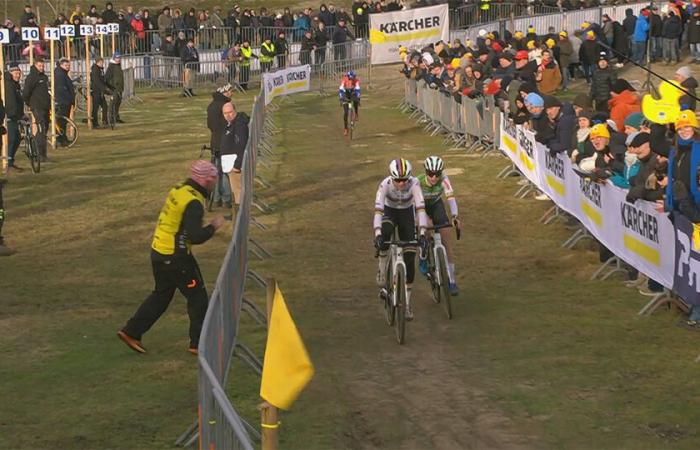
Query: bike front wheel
71	131
400	295
444	283
32	152
389	308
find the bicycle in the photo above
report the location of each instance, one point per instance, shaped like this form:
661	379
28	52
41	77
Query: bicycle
438	275
71	130
111	110
352	116
394	292
30	147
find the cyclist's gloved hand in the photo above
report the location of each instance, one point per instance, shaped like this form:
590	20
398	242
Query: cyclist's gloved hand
423	244
379	242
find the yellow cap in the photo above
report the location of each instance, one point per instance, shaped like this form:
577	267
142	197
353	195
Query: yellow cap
531	30
531	45
590	35
563	34
490	36
585	25
455	63
550	43
686	118
600	130
518	35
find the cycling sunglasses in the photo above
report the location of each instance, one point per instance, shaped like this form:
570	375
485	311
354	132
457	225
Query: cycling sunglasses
433	174
400	180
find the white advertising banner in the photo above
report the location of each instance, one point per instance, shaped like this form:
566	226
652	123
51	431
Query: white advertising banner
413	28
634	232
286	81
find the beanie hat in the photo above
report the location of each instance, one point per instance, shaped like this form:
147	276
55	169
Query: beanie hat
482	33
603	56
551	101
640	139
563	34
621	85
582	101
590	35
531	45
630	138
203	172
518	35
684	72
585	25
661	150
531	29
600	130
634	120
550	43
686	119
534	99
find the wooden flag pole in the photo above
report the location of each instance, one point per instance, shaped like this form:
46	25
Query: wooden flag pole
5	150
269	418
88	94
102	46
114	42
53	94
31	52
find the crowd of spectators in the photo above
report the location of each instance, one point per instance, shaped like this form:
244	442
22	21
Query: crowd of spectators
603	130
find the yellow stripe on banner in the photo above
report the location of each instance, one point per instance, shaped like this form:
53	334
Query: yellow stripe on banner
297	85
277	91
377	37
557	185
527	161
510	143
592	213
640	248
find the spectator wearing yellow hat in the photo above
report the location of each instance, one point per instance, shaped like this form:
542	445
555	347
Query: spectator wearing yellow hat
589	54
566	50
684	160
519	42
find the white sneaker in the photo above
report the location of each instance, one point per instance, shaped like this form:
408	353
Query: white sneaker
541	197
409	313
619	66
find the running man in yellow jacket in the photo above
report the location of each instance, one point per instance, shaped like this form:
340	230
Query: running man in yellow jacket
174	267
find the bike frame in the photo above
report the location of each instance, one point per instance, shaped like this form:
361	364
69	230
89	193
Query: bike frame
396	260
437	244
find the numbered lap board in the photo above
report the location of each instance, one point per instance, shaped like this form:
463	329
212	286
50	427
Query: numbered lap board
4	36
102	28
87	30
68	30
30	34
52	34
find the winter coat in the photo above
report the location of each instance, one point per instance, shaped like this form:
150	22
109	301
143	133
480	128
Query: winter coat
550	79
36	91
235	138
14	104
563	130
639	188
608	30
601	84
630	22
65	92
114	77
589	53
694	29
98	86
690	85
566	50
641	29
326	17
621	106
215	119
527	73
137	26
672	27
620	41
656	26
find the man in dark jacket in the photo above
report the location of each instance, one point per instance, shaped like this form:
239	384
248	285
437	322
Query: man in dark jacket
217	124
563	117
281	50
641	187
589	54
655	34
685	77
36	95
14	109
108	15
525	70
308	44
98	89
65	98
628	26
114	78
694	34
233	145
672	30
602	82
340	38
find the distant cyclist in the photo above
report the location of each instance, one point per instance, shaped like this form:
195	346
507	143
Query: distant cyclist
349	91
433	184
398	199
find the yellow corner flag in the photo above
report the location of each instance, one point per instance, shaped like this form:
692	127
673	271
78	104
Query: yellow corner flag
287	367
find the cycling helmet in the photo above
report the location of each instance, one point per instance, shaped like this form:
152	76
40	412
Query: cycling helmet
399	169
351	75
434	164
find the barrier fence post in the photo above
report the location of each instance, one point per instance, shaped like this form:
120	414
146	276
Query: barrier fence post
5	152
53	91
269	419
88	94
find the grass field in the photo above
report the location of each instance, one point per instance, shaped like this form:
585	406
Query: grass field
536	357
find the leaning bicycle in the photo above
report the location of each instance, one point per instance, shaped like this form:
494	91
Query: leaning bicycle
438	274
65	128
111	110
29	144
394	292
352	117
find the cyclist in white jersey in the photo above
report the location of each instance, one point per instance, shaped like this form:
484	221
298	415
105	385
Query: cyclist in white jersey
399	199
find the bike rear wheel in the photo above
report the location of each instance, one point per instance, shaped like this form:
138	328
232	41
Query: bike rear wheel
444	283
432	276
400	293
32	152
71	131
352	122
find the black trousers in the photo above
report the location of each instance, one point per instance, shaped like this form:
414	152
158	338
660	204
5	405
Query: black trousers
97	103
117	99
244	76
180	273
62	111
405	220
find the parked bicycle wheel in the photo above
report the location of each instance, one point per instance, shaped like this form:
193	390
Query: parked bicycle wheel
32	152
71	131
444	282
400	293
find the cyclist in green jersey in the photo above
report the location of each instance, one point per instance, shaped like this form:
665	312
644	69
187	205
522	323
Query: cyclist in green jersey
434	183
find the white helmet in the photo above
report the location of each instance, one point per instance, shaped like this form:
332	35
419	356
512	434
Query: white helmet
399	168
434	164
